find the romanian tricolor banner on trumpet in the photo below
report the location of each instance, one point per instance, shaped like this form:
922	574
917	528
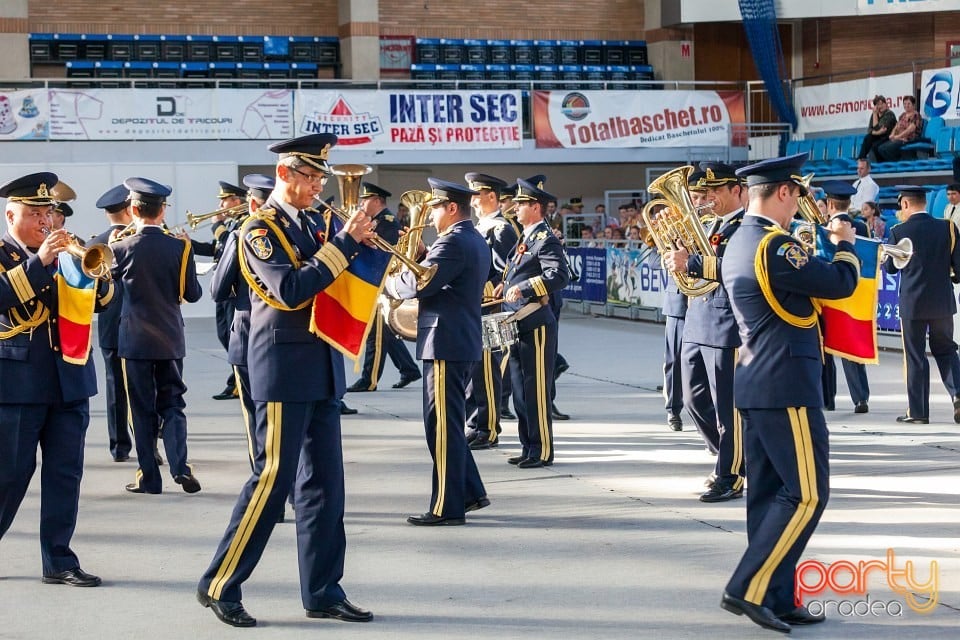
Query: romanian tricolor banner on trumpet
76	300
342	313
850	324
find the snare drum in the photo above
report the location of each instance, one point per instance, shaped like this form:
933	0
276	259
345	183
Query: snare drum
497	332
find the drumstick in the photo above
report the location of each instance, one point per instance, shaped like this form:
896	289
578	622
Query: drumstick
492	302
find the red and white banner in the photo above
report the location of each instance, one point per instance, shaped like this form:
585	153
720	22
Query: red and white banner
398	119
170	114
593	119
847	105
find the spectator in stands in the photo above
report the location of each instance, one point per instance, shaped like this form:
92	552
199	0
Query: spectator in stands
608	232
633	232
870	213
907	130
867	189
622	215
882	121
616	234
600	209
952	210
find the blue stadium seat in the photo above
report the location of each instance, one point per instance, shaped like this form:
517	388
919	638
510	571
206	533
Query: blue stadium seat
849	147
937	202
793	147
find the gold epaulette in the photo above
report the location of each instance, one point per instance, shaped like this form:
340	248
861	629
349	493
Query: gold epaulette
264	213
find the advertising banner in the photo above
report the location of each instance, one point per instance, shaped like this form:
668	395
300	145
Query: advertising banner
605	119
400	119
24	115
888	301
589	266
171	114
635	277
848	105
939	89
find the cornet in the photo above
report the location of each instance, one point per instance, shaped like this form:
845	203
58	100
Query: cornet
96	261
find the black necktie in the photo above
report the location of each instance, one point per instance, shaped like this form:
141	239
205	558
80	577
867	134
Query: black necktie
305	227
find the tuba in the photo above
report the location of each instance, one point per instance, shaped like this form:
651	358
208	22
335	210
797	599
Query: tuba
401	315
678	226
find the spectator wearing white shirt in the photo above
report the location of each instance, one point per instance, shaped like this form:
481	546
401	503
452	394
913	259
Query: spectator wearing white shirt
952	211
867	189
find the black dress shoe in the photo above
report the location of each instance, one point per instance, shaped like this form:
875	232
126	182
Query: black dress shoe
405	380
359	387
347	411
829	407
121	457
75	577
477	504
560	369
516	459
188	482
229	393
758	613
133	487
956	409
472	435
721	492
557	414
912	420
506	414
343	610
674	422
231	613
483	442
530	463
801	615
430	520
861	408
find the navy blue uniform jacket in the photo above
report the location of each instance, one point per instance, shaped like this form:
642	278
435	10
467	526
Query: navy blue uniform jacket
537	265
448	325
32	370
155	269
108	322
781	359
709	319
226	284
288	363
925	288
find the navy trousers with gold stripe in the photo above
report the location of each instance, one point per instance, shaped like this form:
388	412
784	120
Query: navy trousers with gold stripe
383	342
248	409
483	396
944	351
456	479
59	429
116	397
286	429
531	369
788	477
155	394
720	362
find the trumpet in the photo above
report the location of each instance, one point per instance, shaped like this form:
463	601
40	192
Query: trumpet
126	232
236	211
348	175
96	261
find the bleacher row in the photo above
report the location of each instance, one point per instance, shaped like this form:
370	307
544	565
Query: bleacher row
107	69
837	155
530	52
546	76
60	48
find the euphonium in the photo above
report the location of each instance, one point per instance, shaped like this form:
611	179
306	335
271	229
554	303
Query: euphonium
348	176
678	225
805	230
401	315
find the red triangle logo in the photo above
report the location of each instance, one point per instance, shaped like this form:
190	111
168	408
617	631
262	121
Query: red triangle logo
341	108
